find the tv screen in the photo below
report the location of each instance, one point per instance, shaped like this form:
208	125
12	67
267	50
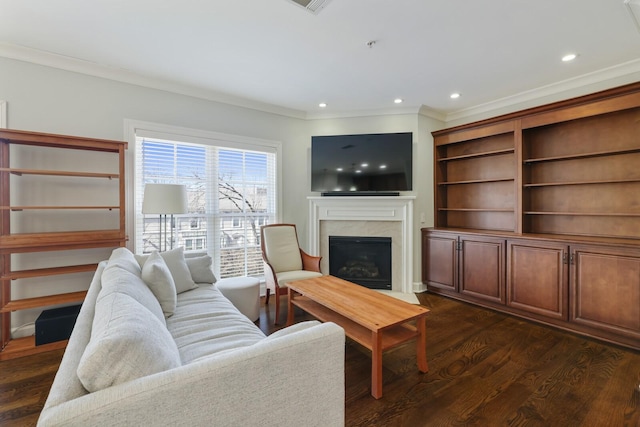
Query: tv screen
380	162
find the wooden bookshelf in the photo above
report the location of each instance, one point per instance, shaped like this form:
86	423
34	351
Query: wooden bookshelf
34	240
540	211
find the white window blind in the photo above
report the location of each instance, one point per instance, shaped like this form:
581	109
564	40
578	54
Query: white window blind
231	192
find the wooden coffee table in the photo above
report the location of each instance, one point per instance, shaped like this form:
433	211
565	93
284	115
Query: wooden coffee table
372	319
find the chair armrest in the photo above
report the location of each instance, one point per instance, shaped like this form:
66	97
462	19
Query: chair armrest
310	262
270	278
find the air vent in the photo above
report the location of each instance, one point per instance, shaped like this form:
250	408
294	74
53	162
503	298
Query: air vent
313	6
633	6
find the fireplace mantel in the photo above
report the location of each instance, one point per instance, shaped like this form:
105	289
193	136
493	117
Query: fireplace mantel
366	209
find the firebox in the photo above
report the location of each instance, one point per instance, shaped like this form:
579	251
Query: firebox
362	260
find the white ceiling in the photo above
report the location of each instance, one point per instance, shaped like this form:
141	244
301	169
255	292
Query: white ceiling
274	53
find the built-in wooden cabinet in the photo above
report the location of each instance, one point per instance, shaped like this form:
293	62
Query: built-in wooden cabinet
440	261
470	265
605	289
559	185
537	277
49	215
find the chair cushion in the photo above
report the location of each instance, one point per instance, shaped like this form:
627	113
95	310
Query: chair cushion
127	342
289	276
157	276
282	249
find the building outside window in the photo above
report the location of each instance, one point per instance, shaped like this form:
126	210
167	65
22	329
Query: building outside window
231	193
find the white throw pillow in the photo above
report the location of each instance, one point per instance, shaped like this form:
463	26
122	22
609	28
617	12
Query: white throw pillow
177	266
127	342
200	269
157	276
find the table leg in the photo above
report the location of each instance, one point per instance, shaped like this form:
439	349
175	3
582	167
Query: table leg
421	344
290	307
376	365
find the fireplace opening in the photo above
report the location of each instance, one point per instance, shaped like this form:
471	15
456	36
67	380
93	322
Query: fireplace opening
362	260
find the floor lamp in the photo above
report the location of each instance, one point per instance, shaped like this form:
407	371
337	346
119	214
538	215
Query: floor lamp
164	199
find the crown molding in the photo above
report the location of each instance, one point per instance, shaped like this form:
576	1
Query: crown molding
432	114
628	72
363	113
40	57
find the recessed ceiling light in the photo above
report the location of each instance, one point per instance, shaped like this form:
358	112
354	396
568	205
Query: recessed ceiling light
398	100
383	166
364	165
569	57
322	105
455	95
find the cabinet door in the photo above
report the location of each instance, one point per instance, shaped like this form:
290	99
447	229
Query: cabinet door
440	261
605	289
482	269
537	277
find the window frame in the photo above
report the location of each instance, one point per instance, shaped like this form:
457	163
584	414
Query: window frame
135	128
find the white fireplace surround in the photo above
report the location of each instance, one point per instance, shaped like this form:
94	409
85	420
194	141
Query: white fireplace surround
384	216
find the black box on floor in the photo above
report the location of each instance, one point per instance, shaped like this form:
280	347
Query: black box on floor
56	324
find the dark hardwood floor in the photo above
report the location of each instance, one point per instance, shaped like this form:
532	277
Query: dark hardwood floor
486	369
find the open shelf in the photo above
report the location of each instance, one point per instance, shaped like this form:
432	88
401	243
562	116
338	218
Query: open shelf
583	155
475	210
19	172
26	346
474	155
475	181
93	238
612	214
604	181
27	303
27	208
40	272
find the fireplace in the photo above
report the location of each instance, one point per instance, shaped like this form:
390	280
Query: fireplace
362	260
372	217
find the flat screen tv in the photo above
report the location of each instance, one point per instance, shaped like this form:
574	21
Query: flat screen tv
362	164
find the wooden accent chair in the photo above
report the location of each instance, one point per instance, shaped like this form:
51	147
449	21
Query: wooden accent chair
284	261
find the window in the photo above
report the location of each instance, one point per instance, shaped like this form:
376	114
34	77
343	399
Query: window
231	191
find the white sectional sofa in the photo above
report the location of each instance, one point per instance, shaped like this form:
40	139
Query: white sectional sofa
139	355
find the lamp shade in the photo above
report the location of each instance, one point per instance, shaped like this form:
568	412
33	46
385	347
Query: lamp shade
164	199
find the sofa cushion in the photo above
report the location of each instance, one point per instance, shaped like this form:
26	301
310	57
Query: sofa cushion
124	258
157	276
200	269
127	342
118	277
177	266
205	323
